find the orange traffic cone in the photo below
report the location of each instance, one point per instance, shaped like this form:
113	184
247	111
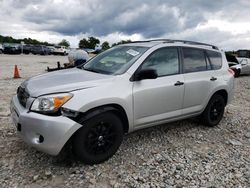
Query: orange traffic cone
16	72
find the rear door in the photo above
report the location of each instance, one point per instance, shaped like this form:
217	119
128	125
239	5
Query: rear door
215	59
156	100
199	79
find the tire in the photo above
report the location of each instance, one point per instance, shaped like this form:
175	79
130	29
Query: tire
98	139
238	73
214	111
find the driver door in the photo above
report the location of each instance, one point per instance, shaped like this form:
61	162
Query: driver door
158	100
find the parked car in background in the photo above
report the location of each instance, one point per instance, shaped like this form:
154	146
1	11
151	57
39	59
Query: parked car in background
97	50
1	48
52	49
244	65
240	65
60	50
41	50
27	48
234	64
124	89
12	48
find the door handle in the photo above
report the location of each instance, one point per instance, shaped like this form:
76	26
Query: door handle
213	78
178	83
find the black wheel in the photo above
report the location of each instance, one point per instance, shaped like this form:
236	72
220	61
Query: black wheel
98	139
214	111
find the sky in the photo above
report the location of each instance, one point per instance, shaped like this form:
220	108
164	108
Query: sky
224	23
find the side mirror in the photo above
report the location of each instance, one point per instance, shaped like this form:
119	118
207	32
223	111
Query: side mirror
146	74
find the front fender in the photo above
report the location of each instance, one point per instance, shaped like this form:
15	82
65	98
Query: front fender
86	100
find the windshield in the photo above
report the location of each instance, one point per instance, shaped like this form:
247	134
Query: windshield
116	60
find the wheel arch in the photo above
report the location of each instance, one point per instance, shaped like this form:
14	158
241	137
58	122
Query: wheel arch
115	108
223	93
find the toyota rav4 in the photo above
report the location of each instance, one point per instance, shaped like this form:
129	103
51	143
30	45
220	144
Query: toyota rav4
126	88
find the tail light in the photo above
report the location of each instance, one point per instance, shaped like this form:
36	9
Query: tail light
231	71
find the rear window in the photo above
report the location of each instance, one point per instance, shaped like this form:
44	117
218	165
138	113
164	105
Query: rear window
215	59
194	60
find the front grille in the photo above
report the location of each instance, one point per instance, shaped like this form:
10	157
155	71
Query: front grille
22	96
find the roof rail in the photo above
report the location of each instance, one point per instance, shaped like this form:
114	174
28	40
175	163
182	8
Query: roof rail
183	41
196	43
152	40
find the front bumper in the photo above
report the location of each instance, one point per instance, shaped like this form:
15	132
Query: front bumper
55	130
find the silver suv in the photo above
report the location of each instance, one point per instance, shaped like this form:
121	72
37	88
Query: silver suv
123	89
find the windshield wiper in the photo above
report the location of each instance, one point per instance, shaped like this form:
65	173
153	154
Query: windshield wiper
96	70
91	70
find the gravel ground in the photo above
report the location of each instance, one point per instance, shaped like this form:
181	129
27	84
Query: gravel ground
180	154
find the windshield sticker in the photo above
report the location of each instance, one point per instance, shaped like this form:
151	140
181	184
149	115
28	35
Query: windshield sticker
132	52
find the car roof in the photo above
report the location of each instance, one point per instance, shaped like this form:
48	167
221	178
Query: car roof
151	43
143	43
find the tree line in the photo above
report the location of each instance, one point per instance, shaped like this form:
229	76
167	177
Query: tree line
90	42
9	39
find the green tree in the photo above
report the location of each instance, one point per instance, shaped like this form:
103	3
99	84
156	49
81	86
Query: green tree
91	42
105	45
83	43
9	39
64	42
122	42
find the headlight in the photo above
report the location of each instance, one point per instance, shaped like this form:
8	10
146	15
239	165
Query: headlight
50	103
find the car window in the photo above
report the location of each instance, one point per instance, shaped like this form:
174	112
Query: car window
165	61
209	66
245	62
194	60
116	60
215	59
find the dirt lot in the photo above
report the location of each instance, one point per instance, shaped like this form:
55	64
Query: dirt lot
28	65
180	154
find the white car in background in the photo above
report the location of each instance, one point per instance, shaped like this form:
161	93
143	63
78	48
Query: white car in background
60	50
244	65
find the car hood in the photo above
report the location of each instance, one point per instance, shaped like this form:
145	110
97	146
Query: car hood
237	66
64	81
